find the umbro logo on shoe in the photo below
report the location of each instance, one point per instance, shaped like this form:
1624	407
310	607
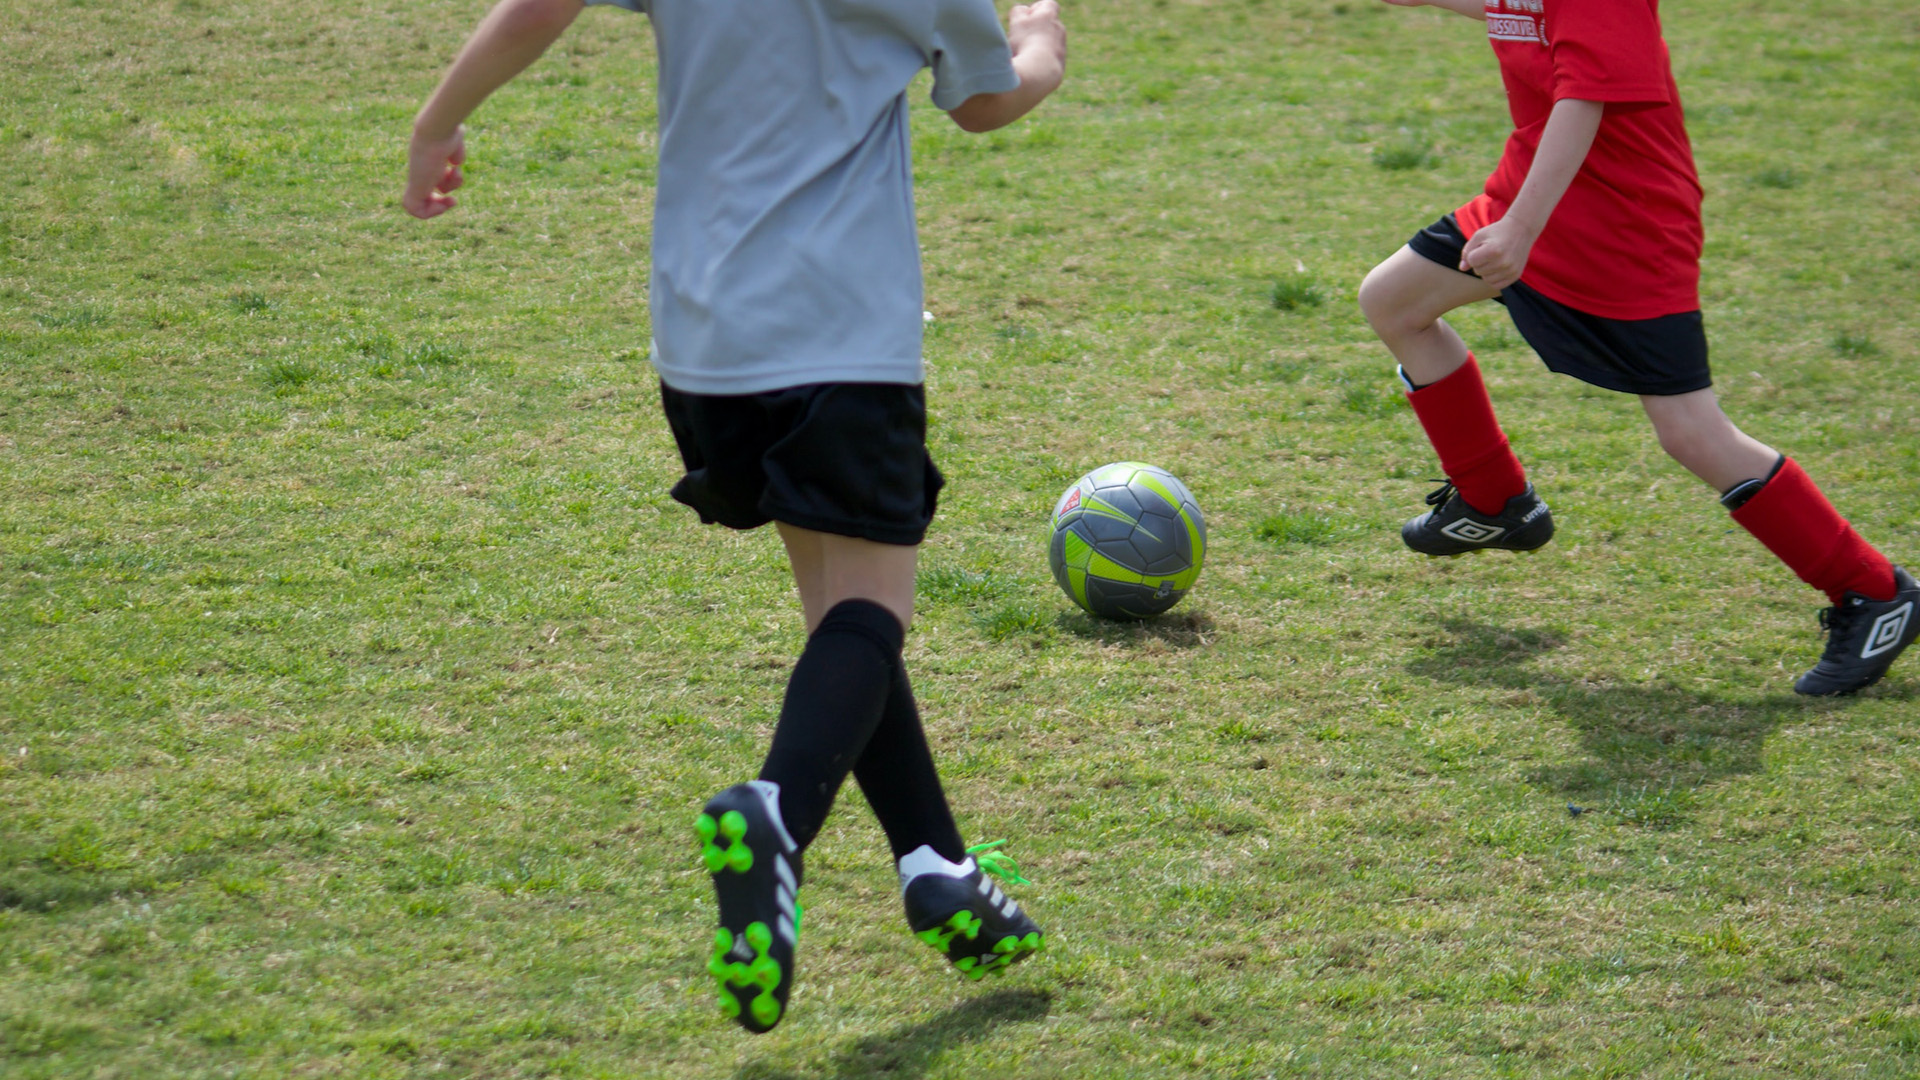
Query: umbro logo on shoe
1468	531
1454	528
1888	631
1864	638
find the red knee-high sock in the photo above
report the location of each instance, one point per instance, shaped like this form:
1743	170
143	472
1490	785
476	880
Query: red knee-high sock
1796	522
1458	418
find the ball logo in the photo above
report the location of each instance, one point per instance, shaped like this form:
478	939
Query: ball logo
1071	503
1888	630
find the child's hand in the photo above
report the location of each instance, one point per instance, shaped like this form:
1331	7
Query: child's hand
1037	27
433	172
1038	41
1498	252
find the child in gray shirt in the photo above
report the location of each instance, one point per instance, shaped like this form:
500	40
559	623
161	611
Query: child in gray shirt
786	307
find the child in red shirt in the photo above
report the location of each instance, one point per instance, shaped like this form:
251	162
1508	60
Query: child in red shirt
1589	233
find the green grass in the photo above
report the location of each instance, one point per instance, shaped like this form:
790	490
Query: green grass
359	681
1406	151
1854	346
1301	527
1292	294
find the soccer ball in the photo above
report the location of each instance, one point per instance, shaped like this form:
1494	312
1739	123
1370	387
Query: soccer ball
1127	541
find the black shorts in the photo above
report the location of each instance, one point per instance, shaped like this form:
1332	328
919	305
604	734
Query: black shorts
1660	357
844	458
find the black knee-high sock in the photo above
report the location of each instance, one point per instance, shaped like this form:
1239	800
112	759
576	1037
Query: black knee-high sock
897	776
835	696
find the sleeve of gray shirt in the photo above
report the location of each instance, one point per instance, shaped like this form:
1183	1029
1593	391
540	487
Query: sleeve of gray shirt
970	54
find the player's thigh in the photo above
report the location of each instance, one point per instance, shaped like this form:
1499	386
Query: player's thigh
1677	412
803	555
1691	421
1408	292
1698	433
829	568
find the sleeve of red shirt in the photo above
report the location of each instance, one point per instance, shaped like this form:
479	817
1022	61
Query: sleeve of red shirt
1608	50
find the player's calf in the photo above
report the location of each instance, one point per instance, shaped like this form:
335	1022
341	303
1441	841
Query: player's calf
1873	617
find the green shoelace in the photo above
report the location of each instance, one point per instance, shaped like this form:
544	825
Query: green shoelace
997	863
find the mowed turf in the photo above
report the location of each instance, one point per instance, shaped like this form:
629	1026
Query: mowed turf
359	682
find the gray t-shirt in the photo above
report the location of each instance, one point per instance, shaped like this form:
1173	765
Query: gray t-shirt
784	247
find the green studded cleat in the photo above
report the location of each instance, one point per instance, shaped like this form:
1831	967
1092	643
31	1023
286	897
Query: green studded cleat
756	875
954	908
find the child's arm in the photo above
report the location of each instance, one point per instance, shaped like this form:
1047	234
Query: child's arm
1039	43
1472	9
1498	252
513	35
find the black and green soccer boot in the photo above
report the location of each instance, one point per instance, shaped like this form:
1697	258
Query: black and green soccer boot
756	875
1864	638
955	909
1454	528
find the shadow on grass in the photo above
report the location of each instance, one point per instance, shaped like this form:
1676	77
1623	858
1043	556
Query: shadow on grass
908	1050
67	874
40	892
1639	736
32	882
1181	630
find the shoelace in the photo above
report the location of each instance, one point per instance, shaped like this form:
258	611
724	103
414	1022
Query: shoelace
996	863
1440	497
1829	615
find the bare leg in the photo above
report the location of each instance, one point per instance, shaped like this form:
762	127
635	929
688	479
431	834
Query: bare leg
1404	298
829	568
840	686
1699	436
895	766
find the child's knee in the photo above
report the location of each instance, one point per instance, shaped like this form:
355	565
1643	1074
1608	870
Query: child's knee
1385	312
1691	444
1686	432
1681	445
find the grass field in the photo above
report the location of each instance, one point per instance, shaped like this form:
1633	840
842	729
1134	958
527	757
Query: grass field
359	681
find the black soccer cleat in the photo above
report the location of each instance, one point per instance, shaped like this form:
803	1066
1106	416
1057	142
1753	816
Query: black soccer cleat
955	909
1454	528
1864	637
756	875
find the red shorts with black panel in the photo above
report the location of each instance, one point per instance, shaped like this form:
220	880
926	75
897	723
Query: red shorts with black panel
1611	290
1624	241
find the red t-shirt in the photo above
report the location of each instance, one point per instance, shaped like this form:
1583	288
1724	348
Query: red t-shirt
1624	243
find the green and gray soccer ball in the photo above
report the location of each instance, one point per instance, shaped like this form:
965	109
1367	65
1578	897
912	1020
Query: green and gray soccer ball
1128	540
